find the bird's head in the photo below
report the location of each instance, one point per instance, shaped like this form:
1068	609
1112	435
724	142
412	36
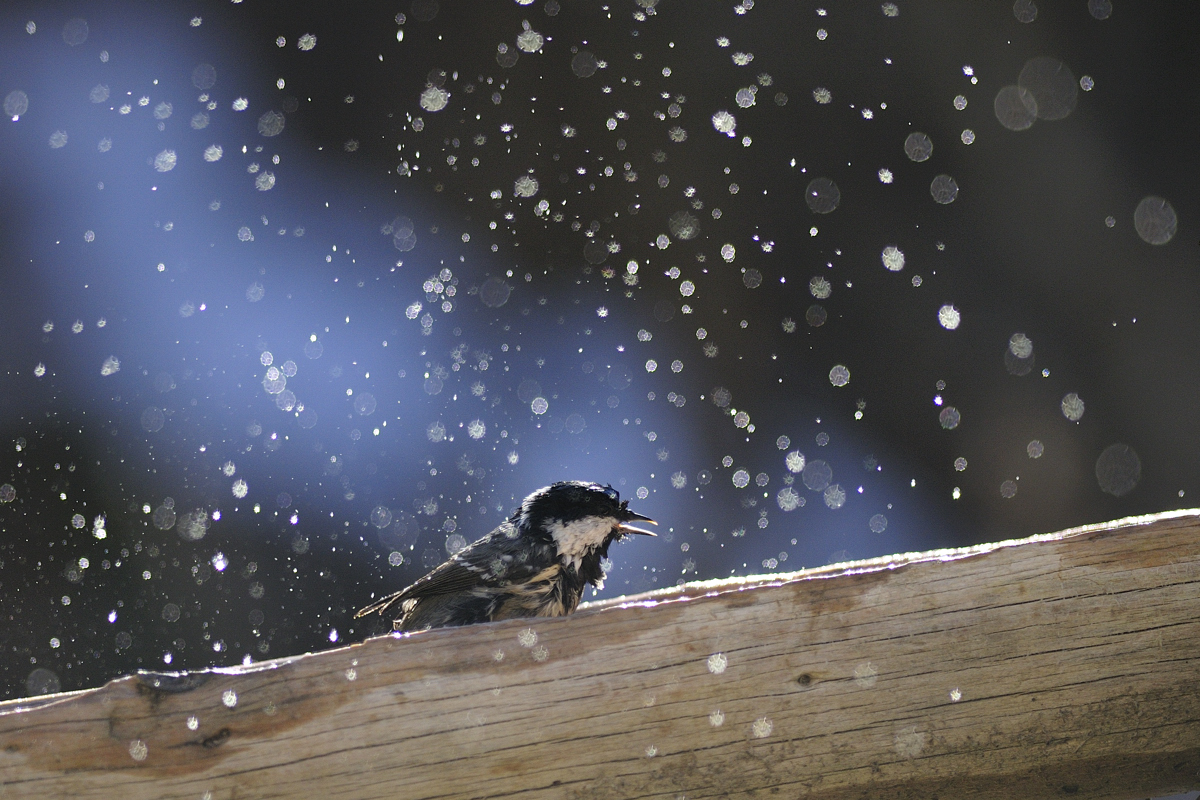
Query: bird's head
581	518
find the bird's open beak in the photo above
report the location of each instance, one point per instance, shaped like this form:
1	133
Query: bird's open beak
625	527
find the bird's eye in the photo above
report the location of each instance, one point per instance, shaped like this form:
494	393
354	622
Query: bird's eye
611	492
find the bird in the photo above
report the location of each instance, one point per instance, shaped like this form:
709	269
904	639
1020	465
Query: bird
534	564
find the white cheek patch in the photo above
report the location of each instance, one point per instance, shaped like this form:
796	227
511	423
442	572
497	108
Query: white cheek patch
576	539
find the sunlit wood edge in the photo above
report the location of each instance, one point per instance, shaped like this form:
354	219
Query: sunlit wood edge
716	586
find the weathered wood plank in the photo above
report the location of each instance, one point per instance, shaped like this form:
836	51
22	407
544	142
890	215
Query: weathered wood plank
1067	664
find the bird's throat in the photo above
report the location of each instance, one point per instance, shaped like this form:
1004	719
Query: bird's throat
579	538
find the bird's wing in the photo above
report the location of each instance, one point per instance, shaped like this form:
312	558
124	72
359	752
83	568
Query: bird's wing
456	574
495	560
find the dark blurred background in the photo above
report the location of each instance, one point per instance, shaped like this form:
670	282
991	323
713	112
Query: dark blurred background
298	300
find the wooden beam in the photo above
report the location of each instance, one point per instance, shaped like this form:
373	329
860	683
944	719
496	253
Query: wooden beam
1062	665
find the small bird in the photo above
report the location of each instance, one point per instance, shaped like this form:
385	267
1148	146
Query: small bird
534	564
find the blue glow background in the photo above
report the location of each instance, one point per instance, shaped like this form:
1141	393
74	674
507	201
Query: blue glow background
1024	248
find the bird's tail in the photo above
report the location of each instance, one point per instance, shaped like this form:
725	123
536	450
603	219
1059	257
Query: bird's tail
379	606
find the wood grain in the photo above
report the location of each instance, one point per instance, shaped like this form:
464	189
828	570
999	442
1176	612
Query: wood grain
1062	665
